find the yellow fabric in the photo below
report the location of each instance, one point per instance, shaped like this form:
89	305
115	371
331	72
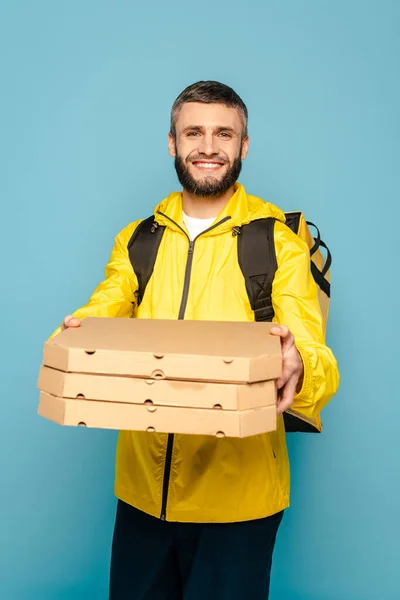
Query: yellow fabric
216	480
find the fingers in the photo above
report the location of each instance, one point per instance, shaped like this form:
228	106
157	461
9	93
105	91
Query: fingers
287	372
287	345
70	321
291	368
286	395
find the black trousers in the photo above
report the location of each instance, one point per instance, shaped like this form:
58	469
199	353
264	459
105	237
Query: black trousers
156	560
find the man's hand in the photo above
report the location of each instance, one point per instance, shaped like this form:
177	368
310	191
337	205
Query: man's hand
70	321
292	368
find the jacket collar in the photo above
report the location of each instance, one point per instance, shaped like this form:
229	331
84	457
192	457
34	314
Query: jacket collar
240	209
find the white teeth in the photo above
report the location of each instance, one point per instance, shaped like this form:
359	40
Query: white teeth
208	165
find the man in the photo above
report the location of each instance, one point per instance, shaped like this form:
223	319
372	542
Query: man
197	516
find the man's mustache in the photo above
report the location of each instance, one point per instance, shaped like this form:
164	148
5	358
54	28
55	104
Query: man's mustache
205	157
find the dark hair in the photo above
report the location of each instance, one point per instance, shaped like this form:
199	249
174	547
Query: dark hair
209	92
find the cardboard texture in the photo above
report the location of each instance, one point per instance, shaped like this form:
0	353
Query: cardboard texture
214	351
162	419
165	392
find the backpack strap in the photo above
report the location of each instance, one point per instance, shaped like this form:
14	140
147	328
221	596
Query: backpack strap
257	260
318	275
293	221
143	248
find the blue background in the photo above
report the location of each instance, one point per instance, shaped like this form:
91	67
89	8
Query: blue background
86	89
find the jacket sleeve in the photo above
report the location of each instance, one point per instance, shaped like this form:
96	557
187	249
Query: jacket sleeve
115	295
296	305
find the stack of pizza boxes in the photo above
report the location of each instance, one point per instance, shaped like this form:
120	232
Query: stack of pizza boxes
185	377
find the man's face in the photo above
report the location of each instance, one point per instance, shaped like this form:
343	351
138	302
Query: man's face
209	147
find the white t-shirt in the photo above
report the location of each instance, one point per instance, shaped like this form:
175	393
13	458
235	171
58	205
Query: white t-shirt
196	226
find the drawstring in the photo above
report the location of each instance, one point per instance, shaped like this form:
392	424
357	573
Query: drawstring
154	227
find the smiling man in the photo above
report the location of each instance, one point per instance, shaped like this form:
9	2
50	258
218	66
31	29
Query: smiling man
209	142
198	516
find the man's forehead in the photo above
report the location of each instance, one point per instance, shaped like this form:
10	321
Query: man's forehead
208	115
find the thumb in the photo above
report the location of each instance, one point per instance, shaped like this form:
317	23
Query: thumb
70	321
287	339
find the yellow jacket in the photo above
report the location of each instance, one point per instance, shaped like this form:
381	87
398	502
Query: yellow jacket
198	478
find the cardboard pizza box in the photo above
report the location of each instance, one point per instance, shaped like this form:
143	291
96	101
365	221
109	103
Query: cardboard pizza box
193	394
215	351
160	419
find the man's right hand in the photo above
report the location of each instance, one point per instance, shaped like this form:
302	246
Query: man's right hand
70	321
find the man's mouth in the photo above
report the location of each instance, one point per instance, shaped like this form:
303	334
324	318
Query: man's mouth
207	165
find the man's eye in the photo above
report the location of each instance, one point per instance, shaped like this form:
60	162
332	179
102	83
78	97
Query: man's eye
225	135
192	133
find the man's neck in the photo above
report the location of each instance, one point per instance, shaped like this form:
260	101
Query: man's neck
207	207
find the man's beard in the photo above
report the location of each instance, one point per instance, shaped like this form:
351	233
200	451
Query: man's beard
209	186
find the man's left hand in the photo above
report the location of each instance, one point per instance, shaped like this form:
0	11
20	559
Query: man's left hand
292	368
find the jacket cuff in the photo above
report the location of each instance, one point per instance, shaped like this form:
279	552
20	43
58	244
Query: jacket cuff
306	390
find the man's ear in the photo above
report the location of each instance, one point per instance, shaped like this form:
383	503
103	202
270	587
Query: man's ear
245	147
171	145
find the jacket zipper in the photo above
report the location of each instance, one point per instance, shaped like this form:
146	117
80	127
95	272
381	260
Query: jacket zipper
181	316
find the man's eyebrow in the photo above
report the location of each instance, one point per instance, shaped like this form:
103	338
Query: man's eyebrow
193	128
227	128
219	128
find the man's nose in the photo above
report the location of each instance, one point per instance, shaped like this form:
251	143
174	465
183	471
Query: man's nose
208	145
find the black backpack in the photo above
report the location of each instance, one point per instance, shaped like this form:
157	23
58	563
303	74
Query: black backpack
257	260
